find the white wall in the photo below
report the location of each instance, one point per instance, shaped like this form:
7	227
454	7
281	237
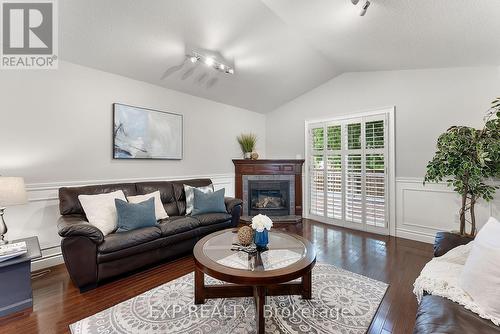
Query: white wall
427	103
57	126
56	129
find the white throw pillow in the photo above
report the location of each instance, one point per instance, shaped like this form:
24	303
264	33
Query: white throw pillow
189	191
160	212
101	210
480	277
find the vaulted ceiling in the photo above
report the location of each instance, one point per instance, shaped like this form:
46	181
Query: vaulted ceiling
280	48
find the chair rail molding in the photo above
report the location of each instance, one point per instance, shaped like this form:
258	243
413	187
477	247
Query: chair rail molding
422	210
39	217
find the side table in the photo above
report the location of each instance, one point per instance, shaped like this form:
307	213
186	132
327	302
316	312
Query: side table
15	279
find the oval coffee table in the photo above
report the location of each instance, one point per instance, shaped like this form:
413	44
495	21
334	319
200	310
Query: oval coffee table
267	273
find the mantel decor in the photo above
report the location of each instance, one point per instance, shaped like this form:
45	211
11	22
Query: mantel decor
141	133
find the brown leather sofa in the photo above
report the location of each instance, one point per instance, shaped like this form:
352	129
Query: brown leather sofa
91	257
440	315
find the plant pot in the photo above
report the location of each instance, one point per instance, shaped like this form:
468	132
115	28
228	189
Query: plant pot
261	240
446	241
247	155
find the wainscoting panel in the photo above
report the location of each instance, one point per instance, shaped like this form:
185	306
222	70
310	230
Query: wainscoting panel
39	217
421	211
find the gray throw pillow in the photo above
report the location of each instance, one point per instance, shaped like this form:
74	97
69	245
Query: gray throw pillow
189	191
132	216
208	202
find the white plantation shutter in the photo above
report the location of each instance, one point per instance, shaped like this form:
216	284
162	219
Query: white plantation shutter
317	171
334	186
348	171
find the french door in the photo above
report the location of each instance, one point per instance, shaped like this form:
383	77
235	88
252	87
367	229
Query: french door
347	171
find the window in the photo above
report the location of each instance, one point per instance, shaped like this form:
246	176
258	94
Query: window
347	171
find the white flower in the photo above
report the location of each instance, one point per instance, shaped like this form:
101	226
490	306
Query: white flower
261	222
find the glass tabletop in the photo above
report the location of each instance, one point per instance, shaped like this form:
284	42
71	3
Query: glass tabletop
283	250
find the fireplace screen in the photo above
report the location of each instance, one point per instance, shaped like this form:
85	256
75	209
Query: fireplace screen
269	197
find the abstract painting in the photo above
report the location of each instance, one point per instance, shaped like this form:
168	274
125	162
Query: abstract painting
141	133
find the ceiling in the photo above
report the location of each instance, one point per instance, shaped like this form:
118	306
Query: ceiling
280	48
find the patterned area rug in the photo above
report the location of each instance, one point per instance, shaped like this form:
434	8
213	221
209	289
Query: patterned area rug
343	302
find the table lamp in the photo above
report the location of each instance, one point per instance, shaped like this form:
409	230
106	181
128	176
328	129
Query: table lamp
12	192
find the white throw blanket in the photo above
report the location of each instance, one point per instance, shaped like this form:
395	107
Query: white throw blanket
440	277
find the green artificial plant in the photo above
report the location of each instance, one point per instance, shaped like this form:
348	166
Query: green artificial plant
467	158
247	142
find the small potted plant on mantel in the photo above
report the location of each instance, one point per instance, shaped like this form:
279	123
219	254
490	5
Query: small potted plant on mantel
247	143
467	159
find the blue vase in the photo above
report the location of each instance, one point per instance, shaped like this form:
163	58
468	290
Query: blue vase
261	239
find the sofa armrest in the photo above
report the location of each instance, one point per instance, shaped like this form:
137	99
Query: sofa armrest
446	241
231	203
72	226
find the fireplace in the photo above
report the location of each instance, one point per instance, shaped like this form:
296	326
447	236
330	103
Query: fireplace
270	187
268	197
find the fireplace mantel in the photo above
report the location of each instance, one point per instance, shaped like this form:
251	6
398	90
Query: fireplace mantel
291	167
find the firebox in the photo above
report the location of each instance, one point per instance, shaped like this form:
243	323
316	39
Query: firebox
269	197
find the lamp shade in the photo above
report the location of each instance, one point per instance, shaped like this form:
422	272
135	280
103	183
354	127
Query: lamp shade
12	191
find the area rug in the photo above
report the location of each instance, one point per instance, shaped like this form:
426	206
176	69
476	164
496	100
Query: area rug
343	302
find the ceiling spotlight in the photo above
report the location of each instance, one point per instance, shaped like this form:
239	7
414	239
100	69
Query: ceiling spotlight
365	8
209	61
354	2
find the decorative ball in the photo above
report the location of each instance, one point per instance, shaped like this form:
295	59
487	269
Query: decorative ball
245	235
255	155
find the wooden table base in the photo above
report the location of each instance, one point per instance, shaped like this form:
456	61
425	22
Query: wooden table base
259	292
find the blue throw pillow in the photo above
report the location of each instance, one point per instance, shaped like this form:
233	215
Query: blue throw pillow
132	216
208	202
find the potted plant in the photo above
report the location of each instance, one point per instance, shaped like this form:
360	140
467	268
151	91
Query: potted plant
466	158
247	143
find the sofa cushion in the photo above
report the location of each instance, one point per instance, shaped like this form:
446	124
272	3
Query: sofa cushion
177	224
101	211
122	240
133	216
212	218
180	195
208	202
189	194
440	315
167	194
160	212
68	196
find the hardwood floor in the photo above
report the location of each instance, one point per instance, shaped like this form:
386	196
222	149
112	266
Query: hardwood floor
58	303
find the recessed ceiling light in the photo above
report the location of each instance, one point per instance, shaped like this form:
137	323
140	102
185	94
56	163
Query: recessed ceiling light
354	2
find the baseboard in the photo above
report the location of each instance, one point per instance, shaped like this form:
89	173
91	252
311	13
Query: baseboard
46	262
415	235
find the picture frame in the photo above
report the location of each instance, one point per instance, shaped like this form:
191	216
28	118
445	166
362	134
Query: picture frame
144	133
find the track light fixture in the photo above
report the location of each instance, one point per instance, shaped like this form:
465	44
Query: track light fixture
364	9
195	57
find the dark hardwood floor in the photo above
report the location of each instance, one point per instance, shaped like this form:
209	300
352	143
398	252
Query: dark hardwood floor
58	303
